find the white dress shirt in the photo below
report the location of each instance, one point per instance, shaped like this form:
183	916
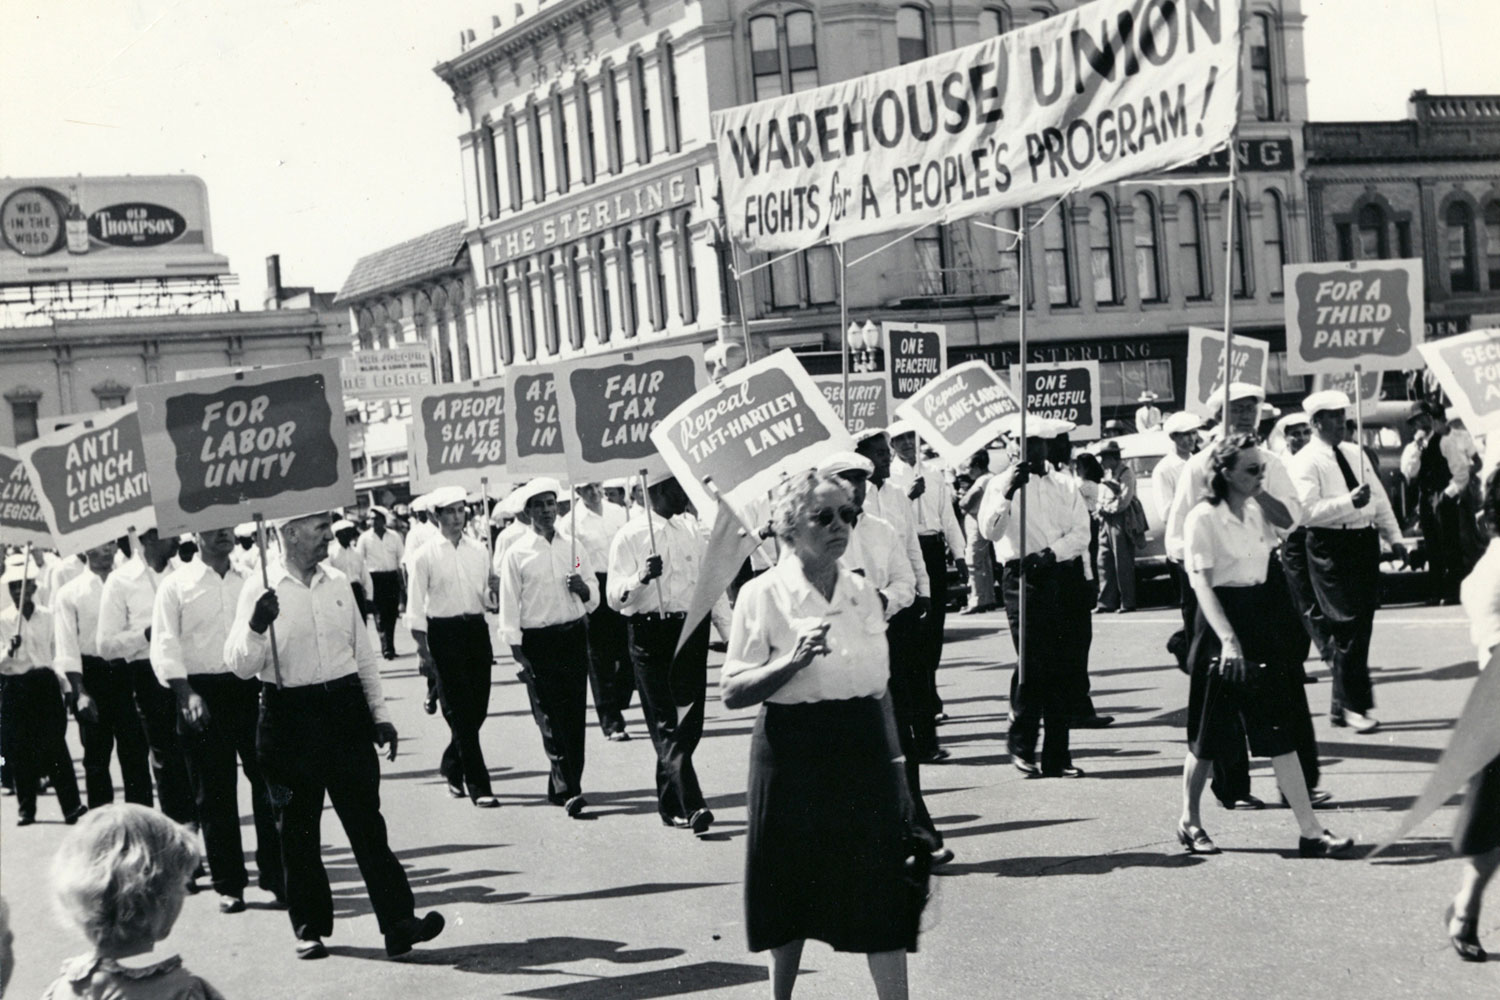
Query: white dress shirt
503	541
319	636
36	649
1233	552
933	510
1056	518
1457	447
1196	484
534	585
58	573
1074	544
190	622
420	534
890	503
875	550
447	580
1147	418
75	622
246	561
1480	594
1325	497
776	605
680	546
125	607
349	562
1164	479
381	553
596	532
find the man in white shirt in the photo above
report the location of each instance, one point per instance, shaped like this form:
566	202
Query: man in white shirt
1439	462
321	708
107	718
450	584
1077	588
382	548
1346	513
1182	428
1043	691
1147	415
940	538
653	572
123	637
594	522
1294	432
56	575
246	555
33	716
545	598
343	557
195	606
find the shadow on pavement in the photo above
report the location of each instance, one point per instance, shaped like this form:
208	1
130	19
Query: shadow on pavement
519	957
1082	864
1011	827
1426	851
674	982
621	891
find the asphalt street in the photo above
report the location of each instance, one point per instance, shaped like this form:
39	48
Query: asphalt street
1066	889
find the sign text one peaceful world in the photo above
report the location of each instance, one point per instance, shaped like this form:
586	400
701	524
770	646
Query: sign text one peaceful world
915	354
1067	391
91	479
1108	90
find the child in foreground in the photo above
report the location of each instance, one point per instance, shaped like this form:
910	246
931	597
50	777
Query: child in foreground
120	878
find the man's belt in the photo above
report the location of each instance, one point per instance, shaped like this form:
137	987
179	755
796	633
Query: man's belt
344	683
455	619
1344	530
654	616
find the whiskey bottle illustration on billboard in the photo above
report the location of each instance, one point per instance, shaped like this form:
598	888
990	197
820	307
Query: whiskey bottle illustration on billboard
77	224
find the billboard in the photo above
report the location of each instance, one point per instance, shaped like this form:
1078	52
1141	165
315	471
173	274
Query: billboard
105	229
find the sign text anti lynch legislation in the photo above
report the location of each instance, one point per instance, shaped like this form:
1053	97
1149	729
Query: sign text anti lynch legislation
1109	90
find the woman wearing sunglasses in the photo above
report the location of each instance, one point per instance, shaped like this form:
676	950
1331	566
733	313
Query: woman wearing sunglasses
1237	665
828	801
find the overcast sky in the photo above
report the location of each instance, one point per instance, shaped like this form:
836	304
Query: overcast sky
324	135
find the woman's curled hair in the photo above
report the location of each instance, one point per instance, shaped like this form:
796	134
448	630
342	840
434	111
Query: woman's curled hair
792	501
1222	460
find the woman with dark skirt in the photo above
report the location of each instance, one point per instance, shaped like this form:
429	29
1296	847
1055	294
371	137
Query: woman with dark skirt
828	806
1476	836
1239	666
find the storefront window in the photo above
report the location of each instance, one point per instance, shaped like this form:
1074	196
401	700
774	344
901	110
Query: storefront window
1122	382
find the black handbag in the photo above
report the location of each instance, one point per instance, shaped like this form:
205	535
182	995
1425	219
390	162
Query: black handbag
1248	676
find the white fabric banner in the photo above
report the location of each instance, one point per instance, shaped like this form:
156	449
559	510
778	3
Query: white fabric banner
1112	89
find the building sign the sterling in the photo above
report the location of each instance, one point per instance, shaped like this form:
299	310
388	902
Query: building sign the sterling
593	215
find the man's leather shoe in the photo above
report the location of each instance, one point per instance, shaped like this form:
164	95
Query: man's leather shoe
1360	723
575	806
700	821
1026	767
75	815
618	736
486	802
1247	802
413	931
677	822
942	856
457	791
1094	722
311	948
1065	772
231	904
935	756
430	705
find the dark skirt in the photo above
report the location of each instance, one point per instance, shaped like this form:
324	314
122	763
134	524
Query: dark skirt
1477	829
1267	709
825	847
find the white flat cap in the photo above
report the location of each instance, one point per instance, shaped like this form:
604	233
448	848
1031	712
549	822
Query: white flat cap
860	437
1328	399
1293	419
1182	423
1237	392
246	530
15	573
518	500
845	461
382	511
342	525
900	427
444	496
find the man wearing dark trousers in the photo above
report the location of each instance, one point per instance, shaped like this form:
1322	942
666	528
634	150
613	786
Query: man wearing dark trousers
124	639
653	571
1346	512
1077	592
322	709
33	716
545	598
216	715
1182	428
595	521
108	722
1438	461
940	538
451	585
382	549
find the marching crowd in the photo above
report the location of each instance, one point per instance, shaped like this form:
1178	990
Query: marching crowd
186	661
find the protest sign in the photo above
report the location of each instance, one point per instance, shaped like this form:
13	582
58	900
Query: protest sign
960	412
1468	369
267	442
868	403
388	373
1205	367
610	403
1368	391
1104	91
90	479
1367	313
458	435
533	432
764	421
915	354
21	520
1065	390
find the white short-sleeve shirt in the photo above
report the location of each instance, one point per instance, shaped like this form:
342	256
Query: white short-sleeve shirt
1235	550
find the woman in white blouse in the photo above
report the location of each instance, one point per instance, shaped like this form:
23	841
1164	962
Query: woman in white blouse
828	806
1476	834
1238	665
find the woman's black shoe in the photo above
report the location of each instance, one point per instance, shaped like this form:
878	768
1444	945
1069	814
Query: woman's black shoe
1466	941
1326	846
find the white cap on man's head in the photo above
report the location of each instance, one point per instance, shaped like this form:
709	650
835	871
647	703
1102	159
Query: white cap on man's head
246	530
518	500
444	496
845	461
861	436
1182	423
1328	399
1237	392
342	524
899	427
382	511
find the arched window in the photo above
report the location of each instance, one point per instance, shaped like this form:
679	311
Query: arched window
1009	248
513	161
1240	266
1458	248
1371	230
1102	251
601	290
667	67
640	94
1273	224
491	168
1147	253
630	302
1492	243
589	153
687	270
1190	247
783	57
1057	256
911	34
528	312
615	140
658	265
575	285
564	148
1262	79
538	152
994	21
554	278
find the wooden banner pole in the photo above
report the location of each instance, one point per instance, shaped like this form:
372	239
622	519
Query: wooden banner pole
265	581
661	603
